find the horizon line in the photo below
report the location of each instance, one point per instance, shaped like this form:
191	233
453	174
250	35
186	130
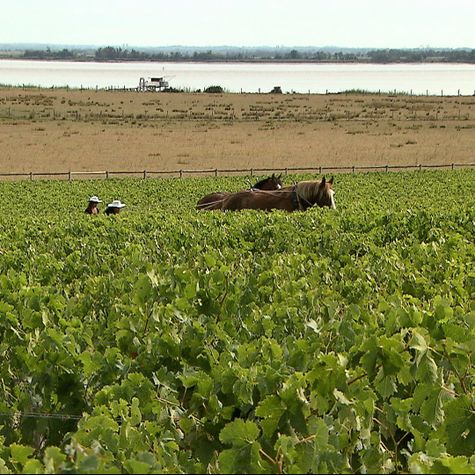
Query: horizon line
279	46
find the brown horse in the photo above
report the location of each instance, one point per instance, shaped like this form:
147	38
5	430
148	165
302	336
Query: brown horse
298	197
215	200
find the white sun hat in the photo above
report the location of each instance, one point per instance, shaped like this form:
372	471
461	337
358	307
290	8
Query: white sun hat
116	204
94	199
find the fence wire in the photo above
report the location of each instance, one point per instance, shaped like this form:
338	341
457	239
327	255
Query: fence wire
45	415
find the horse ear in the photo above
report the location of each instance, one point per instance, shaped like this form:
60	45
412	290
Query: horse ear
273	175
280	176
330	181
322	183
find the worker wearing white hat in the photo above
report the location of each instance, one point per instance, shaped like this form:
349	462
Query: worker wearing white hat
114	207
92	205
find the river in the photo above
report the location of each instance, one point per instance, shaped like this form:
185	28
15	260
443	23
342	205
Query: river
427	78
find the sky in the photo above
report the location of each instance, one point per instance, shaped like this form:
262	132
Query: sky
344	23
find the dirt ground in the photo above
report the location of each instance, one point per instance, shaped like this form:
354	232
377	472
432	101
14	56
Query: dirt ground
60	130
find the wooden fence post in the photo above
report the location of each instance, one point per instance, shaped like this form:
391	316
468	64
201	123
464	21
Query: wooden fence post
145	174
181	173
215	172
107	174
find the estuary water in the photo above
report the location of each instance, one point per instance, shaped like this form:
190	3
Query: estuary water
432	79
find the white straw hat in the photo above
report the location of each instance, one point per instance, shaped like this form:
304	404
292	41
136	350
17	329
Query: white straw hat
116	204
94	199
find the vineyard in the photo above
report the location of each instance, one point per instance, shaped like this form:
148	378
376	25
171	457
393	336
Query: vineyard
168	340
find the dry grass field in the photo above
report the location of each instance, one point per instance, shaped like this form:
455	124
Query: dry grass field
60	130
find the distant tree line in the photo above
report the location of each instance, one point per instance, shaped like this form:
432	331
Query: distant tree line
49	54
421	56
110	53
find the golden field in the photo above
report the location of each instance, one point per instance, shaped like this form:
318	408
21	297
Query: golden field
44	130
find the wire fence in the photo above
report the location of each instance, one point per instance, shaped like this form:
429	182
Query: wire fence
182	173
38	415
43	415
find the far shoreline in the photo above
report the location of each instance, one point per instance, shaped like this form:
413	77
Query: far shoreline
236	61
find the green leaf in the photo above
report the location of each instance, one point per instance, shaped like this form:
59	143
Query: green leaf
418	343
3	467
443	311
432	409
53	459
435	448
449	464
239	433
20	453
460	427
427	369
32	466
244	459
420	463
341	398
271	409
386	386
142	289
135	414
89	464
136	466
428	399
370	356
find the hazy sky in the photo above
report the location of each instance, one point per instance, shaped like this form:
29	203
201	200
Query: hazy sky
358	23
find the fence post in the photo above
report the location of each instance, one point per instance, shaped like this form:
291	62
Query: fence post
107	174
181	173
386	168
252	172
145	174
69	175
31	175
420	166
353	169
320	170
286	171
215	172
452	166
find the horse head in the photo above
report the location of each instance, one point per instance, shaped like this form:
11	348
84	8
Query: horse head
326	194
318	193
272	182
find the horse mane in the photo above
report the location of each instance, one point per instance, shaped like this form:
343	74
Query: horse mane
308	190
